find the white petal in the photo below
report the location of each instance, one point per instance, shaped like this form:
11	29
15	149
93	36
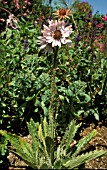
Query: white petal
63	41
53	43
56	43
59	43
67	34
40	37
50	22
48	37
45	27
50	40
68	41
43	46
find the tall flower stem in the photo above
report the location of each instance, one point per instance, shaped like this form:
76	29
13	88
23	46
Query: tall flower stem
52	111
55	57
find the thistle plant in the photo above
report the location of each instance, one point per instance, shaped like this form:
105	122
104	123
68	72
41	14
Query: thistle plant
45	151
54	35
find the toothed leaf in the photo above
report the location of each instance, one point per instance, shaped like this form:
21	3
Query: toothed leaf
76	162
83	142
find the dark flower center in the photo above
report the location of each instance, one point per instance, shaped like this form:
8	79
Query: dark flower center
62	12
57	34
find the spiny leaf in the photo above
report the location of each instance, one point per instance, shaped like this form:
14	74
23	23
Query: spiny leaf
29	160
83	158
45	166
70	133
22	148
49	145
42	139
33	130
58	152
38	139
25	147
12	138
40	135
18	142
45	128
82	143
57	164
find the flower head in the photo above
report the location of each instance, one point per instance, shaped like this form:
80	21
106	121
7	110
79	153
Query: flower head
11	22
25	43
17	4
99	42
104	18
55	34
100	25
62	13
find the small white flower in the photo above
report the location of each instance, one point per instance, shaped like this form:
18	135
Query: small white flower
11	22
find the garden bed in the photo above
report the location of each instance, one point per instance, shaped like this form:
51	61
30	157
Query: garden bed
53	66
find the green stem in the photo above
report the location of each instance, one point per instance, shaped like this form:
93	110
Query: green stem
104	87
52	112
55	56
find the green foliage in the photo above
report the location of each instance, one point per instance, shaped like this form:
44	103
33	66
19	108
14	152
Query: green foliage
40	153
83	158
82	143
3	147
25	74
71	129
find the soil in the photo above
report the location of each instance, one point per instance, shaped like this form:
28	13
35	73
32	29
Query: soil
98	142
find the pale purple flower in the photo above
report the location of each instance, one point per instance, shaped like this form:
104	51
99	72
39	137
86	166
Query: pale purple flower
11	22
55	34
25	43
